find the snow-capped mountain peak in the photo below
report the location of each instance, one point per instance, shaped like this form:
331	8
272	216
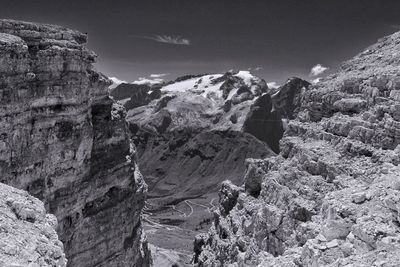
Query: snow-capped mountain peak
241	85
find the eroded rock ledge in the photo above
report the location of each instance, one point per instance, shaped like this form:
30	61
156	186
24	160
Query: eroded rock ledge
63	140
331	198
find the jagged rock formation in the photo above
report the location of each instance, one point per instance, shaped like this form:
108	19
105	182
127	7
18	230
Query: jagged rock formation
63	140
269	113
287	99
27	234
136	95
331	197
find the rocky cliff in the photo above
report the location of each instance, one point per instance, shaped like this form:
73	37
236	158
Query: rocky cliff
27	233
64	141
331	197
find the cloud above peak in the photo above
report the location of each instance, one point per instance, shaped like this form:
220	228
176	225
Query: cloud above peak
273	85
315	81
169	39
116	82
144	80
158	75
318	70
255	69
151	79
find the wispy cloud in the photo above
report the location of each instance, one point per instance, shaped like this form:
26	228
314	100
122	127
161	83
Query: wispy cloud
273	85
255	69
150	80
168	39
315	81
318	70
116	82
395	26
158	75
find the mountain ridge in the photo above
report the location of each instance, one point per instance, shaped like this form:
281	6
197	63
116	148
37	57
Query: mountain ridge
328	198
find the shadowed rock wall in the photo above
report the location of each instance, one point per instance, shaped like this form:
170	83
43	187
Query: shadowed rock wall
64	141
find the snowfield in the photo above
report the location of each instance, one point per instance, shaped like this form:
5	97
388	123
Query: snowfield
208	87
203	85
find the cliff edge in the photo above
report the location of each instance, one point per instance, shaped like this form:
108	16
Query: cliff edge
65	141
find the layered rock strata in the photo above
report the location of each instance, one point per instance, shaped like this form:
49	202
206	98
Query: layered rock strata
64	141
331	197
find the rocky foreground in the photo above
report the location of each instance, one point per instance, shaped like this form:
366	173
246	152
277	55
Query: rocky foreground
27	233
332	195
64	141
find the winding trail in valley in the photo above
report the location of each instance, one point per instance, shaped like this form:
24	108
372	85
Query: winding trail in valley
183	214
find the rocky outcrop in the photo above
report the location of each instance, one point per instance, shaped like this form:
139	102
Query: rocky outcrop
331	197
27	234
268	115
264	122
64	141
287	99
136	95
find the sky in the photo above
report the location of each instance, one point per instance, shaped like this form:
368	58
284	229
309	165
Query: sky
275	39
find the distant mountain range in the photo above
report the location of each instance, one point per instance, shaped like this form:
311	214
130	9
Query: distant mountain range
197	131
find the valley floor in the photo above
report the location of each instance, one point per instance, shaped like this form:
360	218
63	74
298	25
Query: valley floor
171	229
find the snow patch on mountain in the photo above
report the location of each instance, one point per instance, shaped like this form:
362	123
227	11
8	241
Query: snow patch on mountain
203	85
209	86
246	76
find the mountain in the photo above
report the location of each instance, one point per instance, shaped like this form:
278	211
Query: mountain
331	197
135	95
65	141
197	133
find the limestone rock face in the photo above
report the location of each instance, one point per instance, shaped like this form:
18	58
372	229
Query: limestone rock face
64	141
331	197
27	234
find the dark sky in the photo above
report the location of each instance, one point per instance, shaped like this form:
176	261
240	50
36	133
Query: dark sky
285	37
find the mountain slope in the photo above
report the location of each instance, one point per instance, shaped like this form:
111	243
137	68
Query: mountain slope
331	197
